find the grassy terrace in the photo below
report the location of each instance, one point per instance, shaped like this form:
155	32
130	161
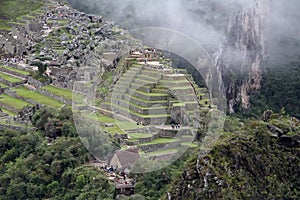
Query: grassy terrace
161	141
26	73
143	81
151	94
63	22
138	114
174	81
8	112
141	92
37	97
189	144
141	86
184	103
119	126
182	88
2	85
143	100
162	152
12	10
4	25
13	102
97	117
10	78
139	135
143	108
59	91
179	104
152	78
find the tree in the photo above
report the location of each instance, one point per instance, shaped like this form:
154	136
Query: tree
80	181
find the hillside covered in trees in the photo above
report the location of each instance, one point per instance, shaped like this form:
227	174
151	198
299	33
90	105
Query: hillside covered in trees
75	88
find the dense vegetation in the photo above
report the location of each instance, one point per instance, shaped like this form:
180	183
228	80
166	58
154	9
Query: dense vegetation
249	162
49	163
281	81
254	160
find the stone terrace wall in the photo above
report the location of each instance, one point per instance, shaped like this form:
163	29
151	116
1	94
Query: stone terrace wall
3	69
36	83
14	95
2	105
53	96
155	147
12	84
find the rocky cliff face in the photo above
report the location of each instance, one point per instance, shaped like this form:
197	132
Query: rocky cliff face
241	58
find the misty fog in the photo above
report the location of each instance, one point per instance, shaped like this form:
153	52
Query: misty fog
204	20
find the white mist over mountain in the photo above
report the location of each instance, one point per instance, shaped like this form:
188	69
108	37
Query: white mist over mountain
204	20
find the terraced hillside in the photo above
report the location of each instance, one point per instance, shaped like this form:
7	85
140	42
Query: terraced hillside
151	107
17	92
14	12
47	42
150	94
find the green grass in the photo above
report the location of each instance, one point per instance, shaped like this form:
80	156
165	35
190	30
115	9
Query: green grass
142	86
2	85
179	104
192	145
118	126
8	112
4	25
138	114
182	88
78	98
13	102
151	94
162	152
153	78
146	101
98	117
161	141
16	70
114	130
144	108
139	135
64	22
110	120
10	78
37	97
12	10
59	91
174	81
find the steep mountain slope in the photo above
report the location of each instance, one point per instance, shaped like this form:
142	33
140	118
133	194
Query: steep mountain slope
255	161
243	55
